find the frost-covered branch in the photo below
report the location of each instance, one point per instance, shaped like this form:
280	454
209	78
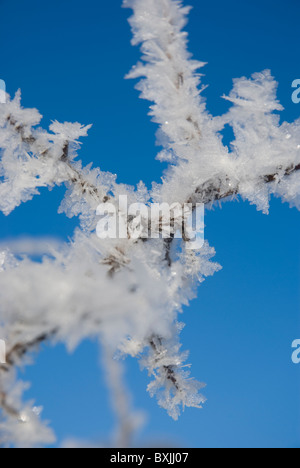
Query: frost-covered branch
221	188
128	420
20	423
171	382
31	157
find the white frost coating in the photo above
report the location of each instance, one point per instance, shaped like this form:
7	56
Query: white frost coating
186	130
128	293
189	134
262	145
22	424
174	393
31	158
69	131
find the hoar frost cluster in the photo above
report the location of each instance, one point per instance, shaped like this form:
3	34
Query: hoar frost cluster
128	293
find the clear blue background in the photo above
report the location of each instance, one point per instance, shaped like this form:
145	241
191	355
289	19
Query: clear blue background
69	58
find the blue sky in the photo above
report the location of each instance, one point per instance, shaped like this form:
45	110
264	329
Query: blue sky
69	58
